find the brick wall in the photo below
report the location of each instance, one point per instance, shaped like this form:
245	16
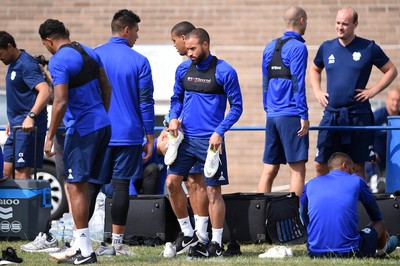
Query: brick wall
239	31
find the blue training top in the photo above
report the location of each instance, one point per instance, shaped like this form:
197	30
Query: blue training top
329	207
132	105
348	68
21	79
286	97
85	111
203	113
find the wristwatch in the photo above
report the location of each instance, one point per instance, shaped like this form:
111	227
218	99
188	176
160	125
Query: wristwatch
32	115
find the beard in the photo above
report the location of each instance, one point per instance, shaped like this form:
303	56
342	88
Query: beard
200	58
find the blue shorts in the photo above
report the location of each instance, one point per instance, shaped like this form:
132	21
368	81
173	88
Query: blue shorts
192	151
84	155
282	144
24	149
196	169
361	147
121	162
366	248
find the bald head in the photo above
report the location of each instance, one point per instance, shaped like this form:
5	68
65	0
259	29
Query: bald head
293	14
296	19
393	91
393	101
341	161
350	10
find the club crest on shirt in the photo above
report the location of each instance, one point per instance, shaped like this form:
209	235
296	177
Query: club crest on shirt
356	56
331	59
13	75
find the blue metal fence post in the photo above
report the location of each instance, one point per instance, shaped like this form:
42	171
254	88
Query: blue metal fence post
393	156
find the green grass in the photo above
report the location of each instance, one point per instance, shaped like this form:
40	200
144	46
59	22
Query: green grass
151	256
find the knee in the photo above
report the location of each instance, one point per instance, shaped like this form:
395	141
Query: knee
173	183
151	170
120	185
214	195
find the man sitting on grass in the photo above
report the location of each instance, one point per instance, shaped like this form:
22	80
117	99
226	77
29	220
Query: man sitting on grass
329	211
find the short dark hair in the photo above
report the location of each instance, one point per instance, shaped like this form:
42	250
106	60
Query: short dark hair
53	28
183	28
124	18
337	159
5	39
200	34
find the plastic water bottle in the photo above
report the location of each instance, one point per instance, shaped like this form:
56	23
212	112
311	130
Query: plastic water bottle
68	227
57	230
96	224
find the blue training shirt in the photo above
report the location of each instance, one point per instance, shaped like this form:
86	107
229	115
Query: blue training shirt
85	112
329	210
132	105
21	79
285	97
348	68
202	113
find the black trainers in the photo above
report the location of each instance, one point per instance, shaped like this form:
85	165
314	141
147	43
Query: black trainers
9	256
200	250
214	249
232	250
183	243
77	258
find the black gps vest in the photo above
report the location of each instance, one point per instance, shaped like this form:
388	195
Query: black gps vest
276	68
203	81
89	70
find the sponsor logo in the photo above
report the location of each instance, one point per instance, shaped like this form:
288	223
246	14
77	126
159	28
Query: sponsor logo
70	176
9	202
218	253
205	254
199	80
83	260
6	213
331	59
5	226
21	157
187	244
13	75
14	226
276	68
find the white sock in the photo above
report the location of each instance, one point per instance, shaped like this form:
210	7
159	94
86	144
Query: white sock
83	241
186	226
201	224
117	239
196	217
217	235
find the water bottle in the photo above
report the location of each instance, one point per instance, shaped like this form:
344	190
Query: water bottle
96	224
57	230
68	227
